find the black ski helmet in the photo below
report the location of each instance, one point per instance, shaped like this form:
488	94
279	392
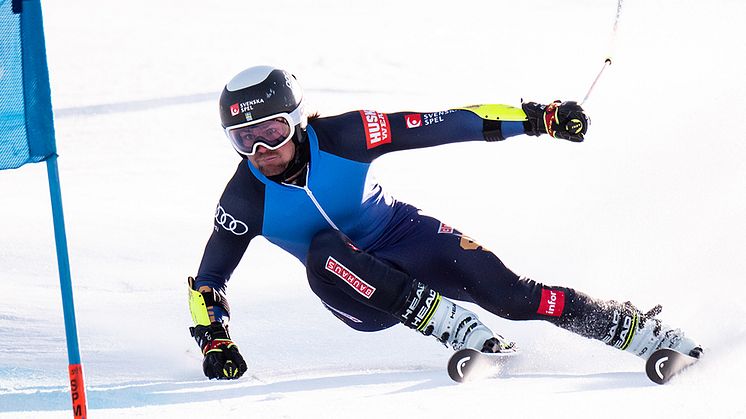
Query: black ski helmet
262	92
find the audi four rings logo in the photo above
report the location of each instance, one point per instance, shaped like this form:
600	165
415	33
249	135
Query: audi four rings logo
229	223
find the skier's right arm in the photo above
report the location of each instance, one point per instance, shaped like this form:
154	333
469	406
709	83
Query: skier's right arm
222	360
234	227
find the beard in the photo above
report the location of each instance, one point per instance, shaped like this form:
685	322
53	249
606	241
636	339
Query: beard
271	165
273	162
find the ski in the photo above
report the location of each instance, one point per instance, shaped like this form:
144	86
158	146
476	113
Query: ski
665	364
470	364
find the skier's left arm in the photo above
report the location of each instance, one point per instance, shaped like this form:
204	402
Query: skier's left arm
384	133
490	122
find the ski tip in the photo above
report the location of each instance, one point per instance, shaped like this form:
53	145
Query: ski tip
664	364
461	364
470	364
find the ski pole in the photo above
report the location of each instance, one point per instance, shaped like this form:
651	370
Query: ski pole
612	42
607	62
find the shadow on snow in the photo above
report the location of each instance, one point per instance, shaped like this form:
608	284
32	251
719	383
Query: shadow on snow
139	394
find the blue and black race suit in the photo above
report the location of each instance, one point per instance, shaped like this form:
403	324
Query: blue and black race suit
344	218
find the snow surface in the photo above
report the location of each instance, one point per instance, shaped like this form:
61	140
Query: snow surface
650	208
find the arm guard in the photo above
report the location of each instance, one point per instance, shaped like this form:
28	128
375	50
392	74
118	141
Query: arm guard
493	116
207	305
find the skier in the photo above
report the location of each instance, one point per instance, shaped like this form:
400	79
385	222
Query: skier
374	261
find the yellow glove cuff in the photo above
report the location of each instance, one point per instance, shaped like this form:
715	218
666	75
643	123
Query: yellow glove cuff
497	112
197	306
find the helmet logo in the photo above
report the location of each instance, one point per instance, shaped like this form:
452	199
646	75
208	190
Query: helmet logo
234	109
248	106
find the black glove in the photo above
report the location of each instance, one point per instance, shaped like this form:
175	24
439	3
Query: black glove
565	120
222	359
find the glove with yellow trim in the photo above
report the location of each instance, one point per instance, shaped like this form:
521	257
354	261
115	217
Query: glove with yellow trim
211	313
565	120
222	359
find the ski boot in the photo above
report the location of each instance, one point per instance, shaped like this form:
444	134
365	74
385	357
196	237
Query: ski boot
456	327
642	333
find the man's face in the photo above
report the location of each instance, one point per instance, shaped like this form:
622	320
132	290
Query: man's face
273	162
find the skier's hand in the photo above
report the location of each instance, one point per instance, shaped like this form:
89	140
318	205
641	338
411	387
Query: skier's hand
565	120
222	360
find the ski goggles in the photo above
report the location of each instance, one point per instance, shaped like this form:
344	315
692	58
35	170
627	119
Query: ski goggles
271	132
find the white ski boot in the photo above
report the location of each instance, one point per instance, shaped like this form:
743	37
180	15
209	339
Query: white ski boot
642	333
432	314
460	328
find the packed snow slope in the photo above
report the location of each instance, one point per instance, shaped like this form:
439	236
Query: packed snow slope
651	208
